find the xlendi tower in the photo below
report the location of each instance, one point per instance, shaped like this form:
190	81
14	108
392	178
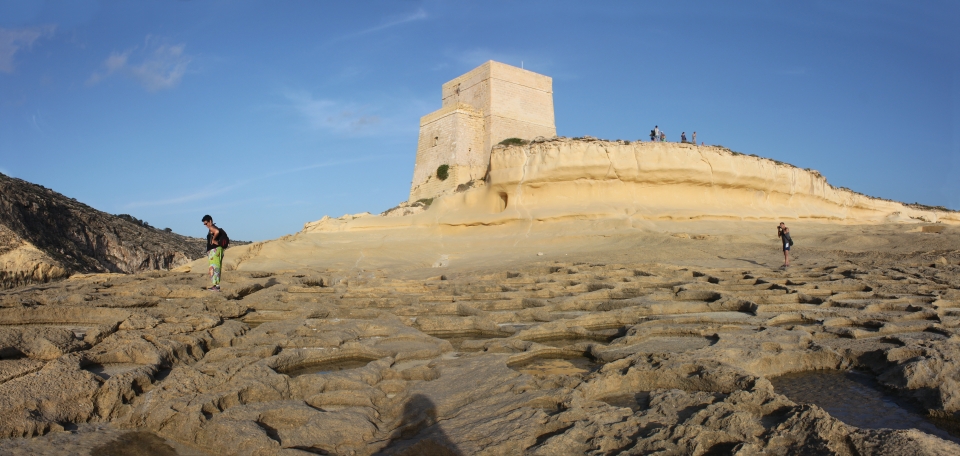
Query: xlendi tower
492	102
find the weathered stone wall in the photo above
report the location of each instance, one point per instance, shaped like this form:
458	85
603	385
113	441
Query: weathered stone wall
519	111
452	136
490	103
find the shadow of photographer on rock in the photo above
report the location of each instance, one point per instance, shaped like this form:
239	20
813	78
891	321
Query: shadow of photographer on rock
419	432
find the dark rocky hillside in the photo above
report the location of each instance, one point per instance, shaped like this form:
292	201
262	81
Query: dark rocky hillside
46	236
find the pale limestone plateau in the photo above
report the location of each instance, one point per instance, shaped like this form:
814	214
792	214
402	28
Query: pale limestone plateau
581	340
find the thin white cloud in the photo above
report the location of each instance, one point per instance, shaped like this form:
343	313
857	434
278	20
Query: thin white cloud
321	114
156	66
15	40
36	122
206	193
116	61
211	191
181	209
418	15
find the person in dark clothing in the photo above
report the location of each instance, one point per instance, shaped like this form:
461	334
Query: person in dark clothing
784	234
216	241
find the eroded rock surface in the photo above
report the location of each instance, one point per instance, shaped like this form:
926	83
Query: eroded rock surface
551	358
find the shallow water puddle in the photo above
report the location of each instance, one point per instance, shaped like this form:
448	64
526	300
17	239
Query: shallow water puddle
457	339
569	342
856	399
135	443
105	371
633	401
673	344
328	366
721	315
142	443
517	327
542	366
411	363
79	331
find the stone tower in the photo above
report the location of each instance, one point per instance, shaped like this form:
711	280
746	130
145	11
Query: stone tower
492	102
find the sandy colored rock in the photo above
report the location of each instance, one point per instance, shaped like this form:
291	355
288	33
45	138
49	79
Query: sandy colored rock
641	342
562	179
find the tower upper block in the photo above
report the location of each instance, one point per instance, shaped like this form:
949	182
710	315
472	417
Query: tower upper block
492	102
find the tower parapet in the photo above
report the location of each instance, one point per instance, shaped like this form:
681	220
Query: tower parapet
490	103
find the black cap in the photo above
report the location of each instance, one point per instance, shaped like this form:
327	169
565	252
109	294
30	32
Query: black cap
207	218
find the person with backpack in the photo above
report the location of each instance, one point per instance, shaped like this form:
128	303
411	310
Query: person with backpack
784	233
217	240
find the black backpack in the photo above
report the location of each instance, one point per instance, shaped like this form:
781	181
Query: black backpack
224	239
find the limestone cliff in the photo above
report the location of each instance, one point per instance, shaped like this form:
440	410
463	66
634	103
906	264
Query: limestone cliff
678	181
591	179
46	236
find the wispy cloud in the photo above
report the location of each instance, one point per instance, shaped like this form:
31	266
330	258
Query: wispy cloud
418	15
208	192
38	123
335	116
14	40
155	65
215	190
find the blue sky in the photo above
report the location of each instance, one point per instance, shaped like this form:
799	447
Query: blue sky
267	115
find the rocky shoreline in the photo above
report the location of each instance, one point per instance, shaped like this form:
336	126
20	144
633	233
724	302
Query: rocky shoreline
547	358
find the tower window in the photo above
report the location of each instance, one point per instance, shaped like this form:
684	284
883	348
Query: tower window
436	140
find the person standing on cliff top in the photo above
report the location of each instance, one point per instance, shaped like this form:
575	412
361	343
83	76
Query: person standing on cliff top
683	137
656	131
694	138
216	241
784	234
